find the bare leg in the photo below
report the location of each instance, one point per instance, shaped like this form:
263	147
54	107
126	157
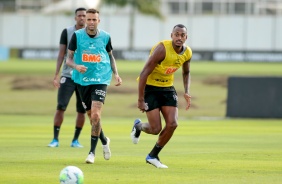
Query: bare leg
170	115
154	125
95	117
59	117
80	119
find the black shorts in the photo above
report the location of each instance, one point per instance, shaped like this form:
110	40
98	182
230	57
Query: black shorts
65	91
91	93
156	97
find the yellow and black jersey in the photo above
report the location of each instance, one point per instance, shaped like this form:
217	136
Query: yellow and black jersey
163	74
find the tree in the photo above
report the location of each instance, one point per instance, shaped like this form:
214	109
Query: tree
146	7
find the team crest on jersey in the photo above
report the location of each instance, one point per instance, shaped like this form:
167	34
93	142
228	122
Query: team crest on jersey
92	46
63	80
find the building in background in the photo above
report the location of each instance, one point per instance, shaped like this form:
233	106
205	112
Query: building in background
220	30
174	7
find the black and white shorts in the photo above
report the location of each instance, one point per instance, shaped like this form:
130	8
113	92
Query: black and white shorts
156	97
91	93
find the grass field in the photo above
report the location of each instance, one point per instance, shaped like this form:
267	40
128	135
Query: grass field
206	147
215	151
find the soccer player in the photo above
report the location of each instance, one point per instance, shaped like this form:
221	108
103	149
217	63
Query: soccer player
156	93
66	86
90	54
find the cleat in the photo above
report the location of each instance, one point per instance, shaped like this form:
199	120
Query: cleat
76	144
135	134
106	150
90	158
155	162
54	143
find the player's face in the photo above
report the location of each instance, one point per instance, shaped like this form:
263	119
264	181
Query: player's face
92	21
80	18
179	36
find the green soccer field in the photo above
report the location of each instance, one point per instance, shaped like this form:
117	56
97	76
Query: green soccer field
206	147
217	151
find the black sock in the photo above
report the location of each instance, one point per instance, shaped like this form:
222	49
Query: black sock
56	132
155	151
94	141
103	138
76	133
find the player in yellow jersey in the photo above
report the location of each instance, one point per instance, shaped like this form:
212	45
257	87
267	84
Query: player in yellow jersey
156	94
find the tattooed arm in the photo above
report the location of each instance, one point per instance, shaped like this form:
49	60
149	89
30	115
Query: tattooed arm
114	69
70	62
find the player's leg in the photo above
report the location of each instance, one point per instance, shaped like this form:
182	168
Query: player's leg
170	115
64	94
153	126
169	111
168	102
95	116
80	119
98	94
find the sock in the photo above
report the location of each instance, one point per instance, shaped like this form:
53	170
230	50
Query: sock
76	133
56	132
103	138
155	151
94	141
139	126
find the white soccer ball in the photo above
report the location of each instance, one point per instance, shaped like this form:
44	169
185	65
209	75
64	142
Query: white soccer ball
71	175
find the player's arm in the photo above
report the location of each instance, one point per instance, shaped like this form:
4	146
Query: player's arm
60	58
109	49
186	82
70	62
155	58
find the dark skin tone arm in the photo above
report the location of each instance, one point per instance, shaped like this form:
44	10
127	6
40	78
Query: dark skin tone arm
60	60
156	58
186	82
114	69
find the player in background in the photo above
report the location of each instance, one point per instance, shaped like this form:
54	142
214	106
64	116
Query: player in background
66	86
90	55
156	93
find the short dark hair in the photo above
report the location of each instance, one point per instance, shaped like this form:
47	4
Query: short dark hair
92	10
179	25
79	9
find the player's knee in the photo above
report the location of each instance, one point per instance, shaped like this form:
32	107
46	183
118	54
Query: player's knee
156	130
173	125
95	117
61	107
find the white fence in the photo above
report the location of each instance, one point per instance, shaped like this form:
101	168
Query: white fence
250	33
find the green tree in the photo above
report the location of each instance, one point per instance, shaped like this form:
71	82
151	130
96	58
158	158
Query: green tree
146	7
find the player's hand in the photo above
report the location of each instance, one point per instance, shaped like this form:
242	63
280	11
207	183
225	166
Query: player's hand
81	68
118	80
56	81
188	100
142	106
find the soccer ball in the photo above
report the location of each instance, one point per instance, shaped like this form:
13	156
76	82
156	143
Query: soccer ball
71	175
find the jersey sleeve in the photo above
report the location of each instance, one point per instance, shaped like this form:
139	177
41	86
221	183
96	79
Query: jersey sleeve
72	44
64	37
